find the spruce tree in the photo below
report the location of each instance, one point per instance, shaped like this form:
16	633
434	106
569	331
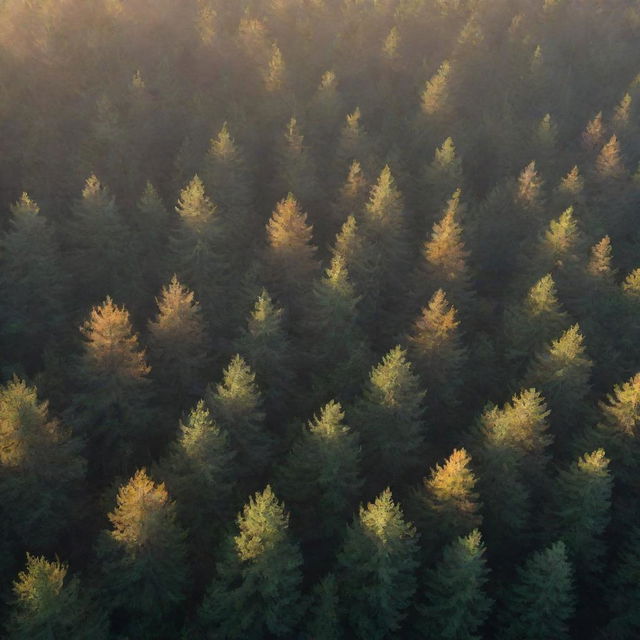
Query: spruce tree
50	604
326	109
582	500
236	405
339	354
541	602
32	284
266	347
456	603
257	587
199	471
388	416
377	567
436	349
143	559
570	191
352	196
354	144
195	247
444	260
593	136
110	407
609	163
529	194
178	343
562	371
446	504
320	478
290	256
623	590
98	246
435	97
41	470
441	178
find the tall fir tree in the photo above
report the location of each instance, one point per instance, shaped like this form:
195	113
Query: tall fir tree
352	195
48	603
111	406
441	178
257	587
435	97
32	284
178	344
456	604
143	559
377	566
623	590
389	418
541	602
323	620
320	479
236	404
41	472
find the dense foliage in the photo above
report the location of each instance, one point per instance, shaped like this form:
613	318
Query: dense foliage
319	319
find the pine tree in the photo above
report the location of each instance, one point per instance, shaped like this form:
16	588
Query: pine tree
389	418
444	260
256	590
236	405
609	163
111	405
582	509
600	266
275	74
150	224
529	194
594	134
320	479
326	109
457	605
339	353
541	602
352	196
562	371
324	617
195	247
354	144
32	284
178	343
436	349
290	257
534	321
570	191
200	472
41	470
265	345
97	245
442	177
143	558
446	504
435	97
377	569
50	604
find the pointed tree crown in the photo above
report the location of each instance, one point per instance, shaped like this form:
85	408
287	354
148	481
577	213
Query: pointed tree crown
436	92
609	163
194	207
392	382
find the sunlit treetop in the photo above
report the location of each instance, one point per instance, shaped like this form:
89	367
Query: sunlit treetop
436	92
594	135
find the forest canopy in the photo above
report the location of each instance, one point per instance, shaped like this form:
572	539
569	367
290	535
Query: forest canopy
320	319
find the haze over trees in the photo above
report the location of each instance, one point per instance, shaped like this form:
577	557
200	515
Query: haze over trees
319	319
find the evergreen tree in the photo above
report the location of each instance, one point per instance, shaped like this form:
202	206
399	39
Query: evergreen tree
256	590
446	504
594	135
324	617
41	470
195	247
143	558
442	177
541	602
534	321
457	605
290	257
111	405
32	284
200	472
388	417
600	266
339	353
582	509
354	144
49	604
97	245
320	478
352	196
609	163
236	404
436	349
444	260
623	592
562	371
435	97
570	191
377	569
326	109
264	344
178	342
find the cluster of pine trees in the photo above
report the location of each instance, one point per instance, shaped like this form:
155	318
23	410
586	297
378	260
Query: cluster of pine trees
319	319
